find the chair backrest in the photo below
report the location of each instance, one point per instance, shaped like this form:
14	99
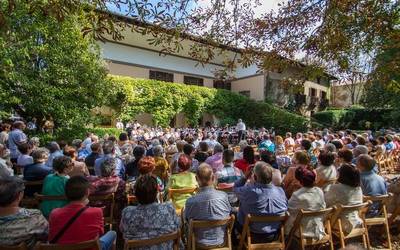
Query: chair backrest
246	233
341	209
91	244
175	236
196	224
382	202
40	197
105	199
173	191
325	214
21	246
131	199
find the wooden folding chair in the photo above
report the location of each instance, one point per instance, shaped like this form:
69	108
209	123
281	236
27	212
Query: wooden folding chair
91	244
31	202
245	238
109	200
337	223
197	224
41	197
325	214
175	237
21	246
381	219
172	192
393	219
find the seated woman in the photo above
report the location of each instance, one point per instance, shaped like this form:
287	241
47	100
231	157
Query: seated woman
326	171
78	167
149	219
202	152
280	146
290	183
132	171
309	198
247	161
184	179
18	224
54	184
346	192
162	169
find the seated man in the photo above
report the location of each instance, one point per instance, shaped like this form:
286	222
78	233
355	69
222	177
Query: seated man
109	152
89	222
260	198
371	183
208	204
18	224
227	176
37	171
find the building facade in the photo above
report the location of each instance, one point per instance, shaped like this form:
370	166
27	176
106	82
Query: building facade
134	56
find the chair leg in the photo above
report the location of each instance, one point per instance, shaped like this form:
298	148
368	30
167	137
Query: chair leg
388	235
365	241
367	236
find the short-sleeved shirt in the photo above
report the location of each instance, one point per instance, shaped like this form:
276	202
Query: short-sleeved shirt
53	185
15	138
27	225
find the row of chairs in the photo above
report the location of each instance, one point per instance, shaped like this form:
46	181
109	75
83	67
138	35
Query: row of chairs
388	162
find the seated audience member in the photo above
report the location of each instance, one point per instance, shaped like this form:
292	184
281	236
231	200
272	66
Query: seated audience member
307	146
24	158
154	142
36	171
269	157
5	167
126	153
189	150
346	192
162	169
371	183
345	156
55	151
54	184
228	175
171	146
308	198
184	179
175	157
93	156
132	170
266	144
18	224
211	200
215	161
78	167
260	198
109	152
280	146
248	160
147	165
89	223
290	183
108	182
242	144
149	219
202	153
326	171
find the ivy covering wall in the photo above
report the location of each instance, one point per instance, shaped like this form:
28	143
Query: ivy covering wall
131	96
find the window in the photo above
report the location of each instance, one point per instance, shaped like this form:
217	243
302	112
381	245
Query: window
323	94
312	92
245	93
190	80
161	76
221	84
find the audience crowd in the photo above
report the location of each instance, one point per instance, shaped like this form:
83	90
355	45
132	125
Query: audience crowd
228	170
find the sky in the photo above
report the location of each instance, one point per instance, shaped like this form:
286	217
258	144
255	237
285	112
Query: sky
266	5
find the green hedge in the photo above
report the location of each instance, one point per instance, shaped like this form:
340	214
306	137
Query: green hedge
131	96
357	118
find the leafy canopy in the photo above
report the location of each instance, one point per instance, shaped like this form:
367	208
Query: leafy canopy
47	68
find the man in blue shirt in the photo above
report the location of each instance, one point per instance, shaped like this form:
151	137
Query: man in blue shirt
109	152
15	138
36	171
260	198
371	183
208	204
267	144
55	151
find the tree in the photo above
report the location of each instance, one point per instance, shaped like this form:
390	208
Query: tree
48	69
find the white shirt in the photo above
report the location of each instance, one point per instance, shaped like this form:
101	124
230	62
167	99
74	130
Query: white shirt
240	126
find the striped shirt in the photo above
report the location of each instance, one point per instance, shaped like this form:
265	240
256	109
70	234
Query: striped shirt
228	175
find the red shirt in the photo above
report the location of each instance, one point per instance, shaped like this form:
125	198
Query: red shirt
88	226
243	165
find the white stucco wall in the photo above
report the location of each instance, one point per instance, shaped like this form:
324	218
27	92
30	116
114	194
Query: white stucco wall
253	84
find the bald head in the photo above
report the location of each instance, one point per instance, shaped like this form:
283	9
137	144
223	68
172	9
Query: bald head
205	176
